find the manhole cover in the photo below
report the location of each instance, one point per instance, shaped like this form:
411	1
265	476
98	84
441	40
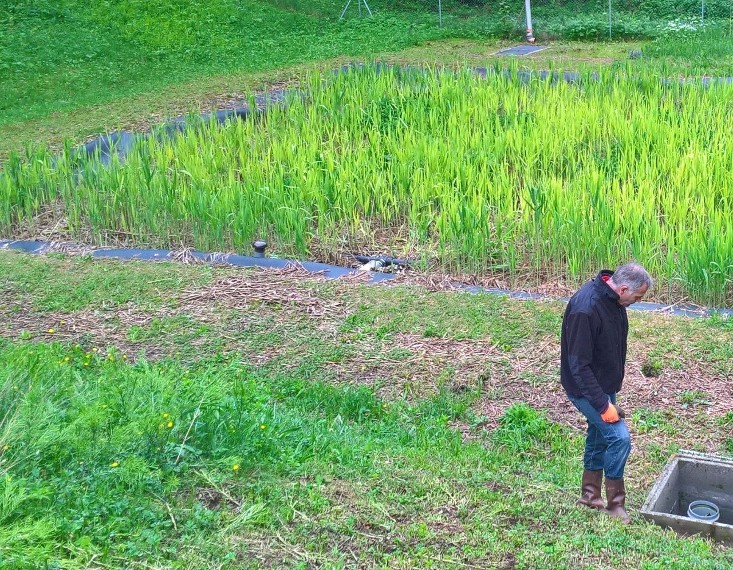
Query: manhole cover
521	50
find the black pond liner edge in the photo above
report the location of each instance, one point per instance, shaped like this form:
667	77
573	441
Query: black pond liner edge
328	271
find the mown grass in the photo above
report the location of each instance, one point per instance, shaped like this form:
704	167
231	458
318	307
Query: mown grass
71	54
255	437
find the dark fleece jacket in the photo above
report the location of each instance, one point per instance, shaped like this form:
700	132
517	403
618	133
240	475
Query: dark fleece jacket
593	343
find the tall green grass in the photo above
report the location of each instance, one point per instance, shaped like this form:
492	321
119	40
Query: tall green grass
60	55
488	174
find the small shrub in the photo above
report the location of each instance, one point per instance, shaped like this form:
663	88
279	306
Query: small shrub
651	368
523	428
726	420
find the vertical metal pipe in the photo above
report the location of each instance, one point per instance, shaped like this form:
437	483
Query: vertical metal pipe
610	26
440	14
528	11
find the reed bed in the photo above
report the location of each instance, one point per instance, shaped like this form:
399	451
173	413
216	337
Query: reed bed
539	177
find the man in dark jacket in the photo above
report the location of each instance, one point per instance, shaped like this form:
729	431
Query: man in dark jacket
592	360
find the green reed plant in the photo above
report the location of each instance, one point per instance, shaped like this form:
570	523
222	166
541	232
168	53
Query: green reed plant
505	173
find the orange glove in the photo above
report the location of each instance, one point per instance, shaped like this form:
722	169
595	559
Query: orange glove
611	415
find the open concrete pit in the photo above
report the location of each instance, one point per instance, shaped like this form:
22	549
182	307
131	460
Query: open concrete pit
689	477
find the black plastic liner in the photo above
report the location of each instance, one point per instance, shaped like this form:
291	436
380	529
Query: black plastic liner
328	271
121	143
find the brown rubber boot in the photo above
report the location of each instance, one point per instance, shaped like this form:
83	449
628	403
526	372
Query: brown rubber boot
616	495
591	490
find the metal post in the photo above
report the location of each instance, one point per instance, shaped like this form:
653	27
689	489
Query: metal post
344	10
440	14
702	12
528	11
359	2
610	26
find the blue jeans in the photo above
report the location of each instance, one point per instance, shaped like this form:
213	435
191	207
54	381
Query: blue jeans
607	446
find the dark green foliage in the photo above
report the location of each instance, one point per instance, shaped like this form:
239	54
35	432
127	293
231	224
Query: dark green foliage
672	9
595	26
702	47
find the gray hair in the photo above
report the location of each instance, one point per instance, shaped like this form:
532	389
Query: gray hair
633	275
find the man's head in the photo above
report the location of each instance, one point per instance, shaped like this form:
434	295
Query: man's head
630	282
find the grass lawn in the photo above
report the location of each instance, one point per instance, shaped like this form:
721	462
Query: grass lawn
182	416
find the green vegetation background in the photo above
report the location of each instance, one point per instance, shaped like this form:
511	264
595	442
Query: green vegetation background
328	474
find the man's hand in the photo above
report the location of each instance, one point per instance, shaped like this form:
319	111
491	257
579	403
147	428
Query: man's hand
612	414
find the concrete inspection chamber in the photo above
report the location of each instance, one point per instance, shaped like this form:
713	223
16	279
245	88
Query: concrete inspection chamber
690	476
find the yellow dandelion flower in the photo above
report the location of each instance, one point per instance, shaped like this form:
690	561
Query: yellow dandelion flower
124	357
169	424
262	426
235	467
6	447
86	364
95	349
165	414
51	331
62	322
66	359
114	464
